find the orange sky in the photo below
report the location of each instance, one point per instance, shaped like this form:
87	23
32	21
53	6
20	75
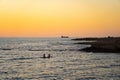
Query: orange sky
53	18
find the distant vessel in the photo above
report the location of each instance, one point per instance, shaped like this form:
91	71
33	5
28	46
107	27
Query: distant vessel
64	37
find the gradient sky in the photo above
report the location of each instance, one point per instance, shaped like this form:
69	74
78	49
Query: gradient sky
53	18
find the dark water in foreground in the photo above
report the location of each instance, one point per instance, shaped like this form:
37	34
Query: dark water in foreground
20	59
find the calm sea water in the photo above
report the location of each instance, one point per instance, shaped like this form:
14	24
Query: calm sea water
21	59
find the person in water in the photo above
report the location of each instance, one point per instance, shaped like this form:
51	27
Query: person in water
44	56
48	56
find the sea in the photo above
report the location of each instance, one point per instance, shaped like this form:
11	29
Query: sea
22	59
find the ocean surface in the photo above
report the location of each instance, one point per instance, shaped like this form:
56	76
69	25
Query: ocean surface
21	59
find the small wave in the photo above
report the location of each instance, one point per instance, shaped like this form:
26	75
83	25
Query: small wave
102	66
47	76
87	78
3	72
22	58
6	49
115	65
53	50
14	78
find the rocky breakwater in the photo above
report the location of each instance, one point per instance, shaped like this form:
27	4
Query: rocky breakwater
107	44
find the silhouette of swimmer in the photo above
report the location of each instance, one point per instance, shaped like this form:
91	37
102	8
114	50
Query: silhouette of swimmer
44	56
48	56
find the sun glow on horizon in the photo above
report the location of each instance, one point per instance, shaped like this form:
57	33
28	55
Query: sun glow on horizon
51	18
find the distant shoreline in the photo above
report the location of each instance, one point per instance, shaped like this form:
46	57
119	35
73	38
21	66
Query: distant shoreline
103	44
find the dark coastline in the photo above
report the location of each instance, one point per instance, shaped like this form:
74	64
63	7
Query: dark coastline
103	45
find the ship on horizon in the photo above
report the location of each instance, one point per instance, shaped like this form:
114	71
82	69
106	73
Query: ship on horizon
64	36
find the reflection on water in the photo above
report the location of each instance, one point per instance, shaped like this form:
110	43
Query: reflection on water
67	63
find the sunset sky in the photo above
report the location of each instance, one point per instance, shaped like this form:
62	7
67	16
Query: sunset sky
53	18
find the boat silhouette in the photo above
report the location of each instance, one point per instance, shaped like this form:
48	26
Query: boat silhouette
64	36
